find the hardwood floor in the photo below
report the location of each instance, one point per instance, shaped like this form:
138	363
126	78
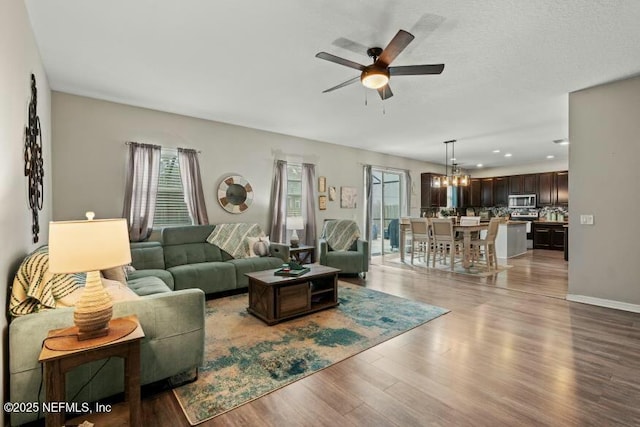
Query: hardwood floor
506	354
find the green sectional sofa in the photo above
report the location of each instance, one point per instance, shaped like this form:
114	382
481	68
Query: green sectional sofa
184	259
173	324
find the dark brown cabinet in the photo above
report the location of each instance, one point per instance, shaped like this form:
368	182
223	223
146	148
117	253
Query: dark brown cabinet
546	189
430	196
475	192
501	191
516	184
530	183
548	236
487	192
562	186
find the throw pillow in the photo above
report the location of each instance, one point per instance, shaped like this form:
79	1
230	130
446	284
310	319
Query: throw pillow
258	246
116	273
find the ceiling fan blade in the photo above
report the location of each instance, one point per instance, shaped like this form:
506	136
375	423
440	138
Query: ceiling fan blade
332	58
350	45
393	49
385	92
414	70
343	84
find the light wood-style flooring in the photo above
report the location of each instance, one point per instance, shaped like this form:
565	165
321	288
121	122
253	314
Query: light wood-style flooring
511	352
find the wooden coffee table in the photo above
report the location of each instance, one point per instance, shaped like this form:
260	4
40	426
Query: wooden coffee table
276	298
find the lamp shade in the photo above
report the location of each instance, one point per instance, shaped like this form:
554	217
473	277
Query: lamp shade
295	223
79	246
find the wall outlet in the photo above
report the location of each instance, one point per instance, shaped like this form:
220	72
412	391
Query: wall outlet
586	219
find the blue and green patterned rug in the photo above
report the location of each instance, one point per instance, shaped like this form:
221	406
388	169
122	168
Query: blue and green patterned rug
246	359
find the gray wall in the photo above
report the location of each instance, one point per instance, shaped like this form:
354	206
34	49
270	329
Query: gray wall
604	178
20	58
90	156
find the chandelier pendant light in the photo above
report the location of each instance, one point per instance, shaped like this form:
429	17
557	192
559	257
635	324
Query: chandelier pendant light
456	179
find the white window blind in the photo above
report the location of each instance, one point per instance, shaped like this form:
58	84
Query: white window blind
294	189
171	210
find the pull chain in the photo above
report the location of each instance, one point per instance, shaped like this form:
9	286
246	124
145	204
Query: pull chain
365	97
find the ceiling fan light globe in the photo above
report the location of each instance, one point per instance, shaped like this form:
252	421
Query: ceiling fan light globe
374	78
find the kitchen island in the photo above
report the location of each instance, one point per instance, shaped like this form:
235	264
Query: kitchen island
511	240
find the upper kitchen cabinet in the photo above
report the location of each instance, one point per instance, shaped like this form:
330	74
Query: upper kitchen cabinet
501	187
431	197
562	185
546	189
553	188
475	193
529	183
516	184
487	192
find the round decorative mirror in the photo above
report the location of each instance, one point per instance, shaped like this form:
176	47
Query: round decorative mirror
235	194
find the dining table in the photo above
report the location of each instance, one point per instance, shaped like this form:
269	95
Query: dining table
467	231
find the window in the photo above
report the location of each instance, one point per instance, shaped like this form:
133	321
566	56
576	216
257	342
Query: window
294	189
170	206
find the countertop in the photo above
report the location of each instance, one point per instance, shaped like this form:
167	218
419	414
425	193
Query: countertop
552	222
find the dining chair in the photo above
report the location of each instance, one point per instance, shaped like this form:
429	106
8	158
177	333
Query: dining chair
420	237
445	240
469	220
488	244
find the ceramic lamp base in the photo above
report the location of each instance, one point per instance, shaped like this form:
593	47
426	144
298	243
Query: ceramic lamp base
295	240
94	309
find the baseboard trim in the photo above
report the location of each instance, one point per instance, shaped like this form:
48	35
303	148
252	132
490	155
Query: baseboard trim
618	305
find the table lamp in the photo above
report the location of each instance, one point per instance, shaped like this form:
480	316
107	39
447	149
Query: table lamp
295	223
89	246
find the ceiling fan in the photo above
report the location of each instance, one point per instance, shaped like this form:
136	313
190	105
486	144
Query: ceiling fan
377	75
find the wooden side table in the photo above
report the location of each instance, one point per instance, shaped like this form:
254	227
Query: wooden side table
70	353
304	254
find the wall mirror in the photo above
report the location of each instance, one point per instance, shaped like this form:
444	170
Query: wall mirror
235	194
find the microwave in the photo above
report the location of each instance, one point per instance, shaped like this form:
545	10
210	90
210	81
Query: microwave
522	201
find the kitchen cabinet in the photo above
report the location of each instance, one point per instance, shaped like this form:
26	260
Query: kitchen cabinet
548	235
562	186
530	183
464	199
486	188
546	189
475	192
501	191
430	196
516	184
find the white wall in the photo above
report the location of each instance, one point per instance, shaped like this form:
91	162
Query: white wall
89	159
604	129
20	58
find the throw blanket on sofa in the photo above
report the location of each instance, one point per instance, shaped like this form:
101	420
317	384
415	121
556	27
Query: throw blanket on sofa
232	238
340	234
36	288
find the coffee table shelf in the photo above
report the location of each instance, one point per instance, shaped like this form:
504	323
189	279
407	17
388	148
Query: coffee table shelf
276	298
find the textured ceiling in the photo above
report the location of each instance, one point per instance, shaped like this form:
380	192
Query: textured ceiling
509	66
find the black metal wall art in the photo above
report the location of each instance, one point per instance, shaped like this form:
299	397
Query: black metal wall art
33	162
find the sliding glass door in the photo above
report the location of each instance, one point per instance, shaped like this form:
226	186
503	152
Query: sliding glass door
388	202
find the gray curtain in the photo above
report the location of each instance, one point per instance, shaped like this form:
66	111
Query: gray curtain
407	186
309	200
141	189
368	202
278	232
192	185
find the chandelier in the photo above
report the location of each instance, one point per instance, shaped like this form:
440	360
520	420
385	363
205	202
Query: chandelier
456	179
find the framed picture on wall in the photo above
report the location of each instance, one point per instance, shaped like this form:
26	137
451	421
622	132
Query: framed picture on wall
322	202
348	197
332	194
322	184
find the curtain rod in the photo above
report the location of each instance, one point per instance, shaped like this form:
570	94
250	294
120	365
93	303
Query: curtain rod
168	148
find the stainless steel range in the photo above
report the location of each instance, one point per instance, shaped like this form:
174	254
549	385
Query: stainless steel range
527	215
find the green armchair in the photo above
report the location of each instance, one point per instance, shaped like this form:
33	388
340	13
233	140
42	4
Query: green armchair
354	260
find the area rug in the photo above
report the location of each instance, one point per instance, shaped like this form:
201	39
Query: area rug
246	359
477	270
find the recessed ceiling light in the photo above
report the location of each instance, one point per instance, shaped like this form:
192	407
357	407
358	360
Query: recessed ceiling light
479	165
453	159
550	156
496	151
508	155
